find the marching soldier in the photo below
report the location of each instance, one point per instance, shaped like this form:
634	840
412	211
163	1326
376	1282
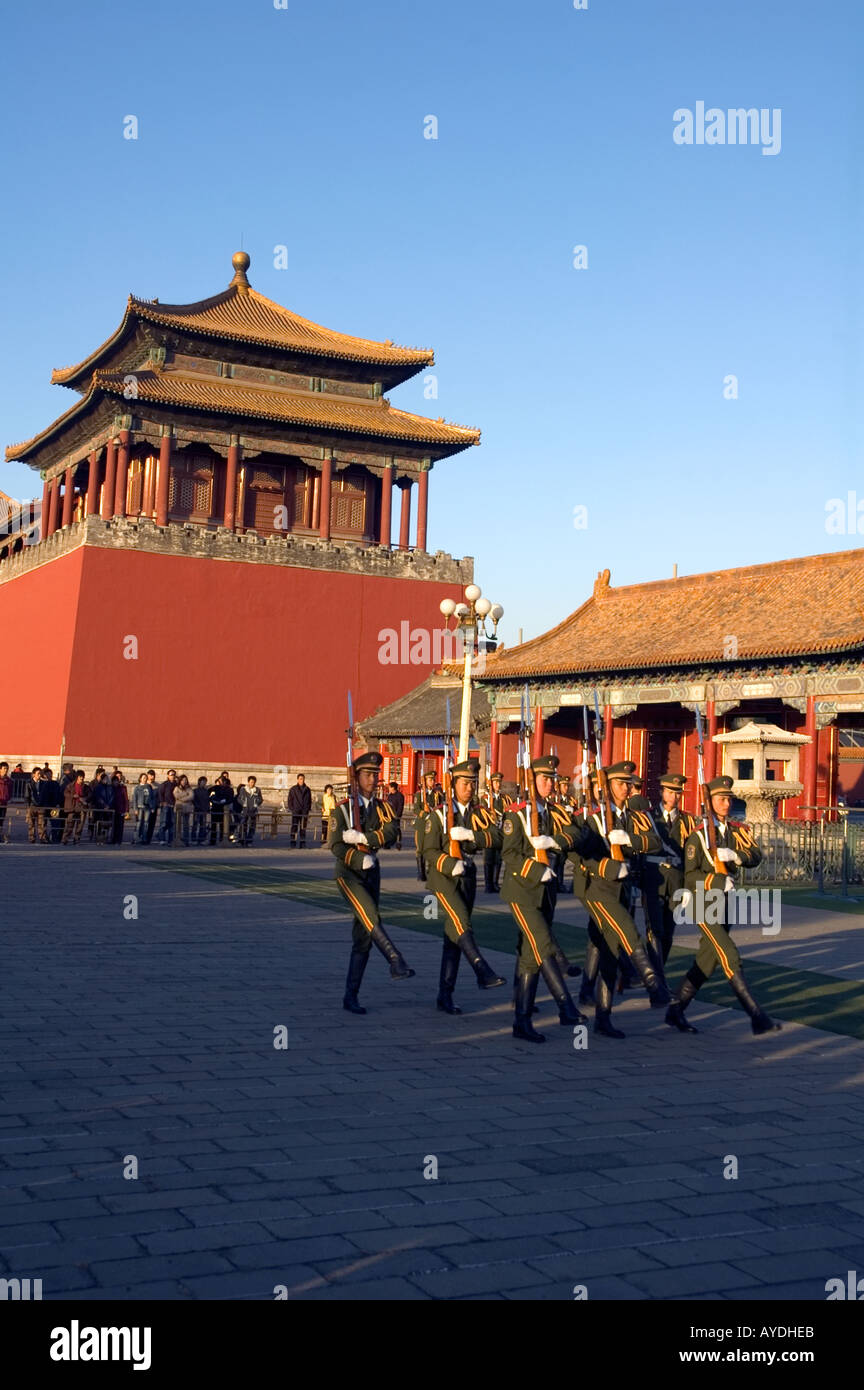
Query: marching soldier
529	887
358	874
563	798
496	802
735	848
454	880
425	800
601	881
663	873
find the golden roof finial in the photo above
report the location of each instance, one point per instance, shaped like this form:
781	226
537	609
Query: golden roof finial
241	262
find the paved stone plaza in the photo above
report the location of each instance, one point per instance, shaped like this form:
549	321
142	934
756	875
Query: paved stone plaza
303	1166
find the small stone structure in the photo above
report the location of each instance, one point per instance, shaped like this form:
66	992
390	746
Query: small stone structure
746	754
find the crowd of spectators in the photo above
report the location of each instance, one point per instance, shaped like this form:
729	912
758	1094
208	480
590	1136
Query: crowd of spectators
106	807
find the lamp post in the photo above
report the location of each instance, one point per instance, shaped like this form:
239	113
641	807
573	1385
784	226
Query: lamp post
471	619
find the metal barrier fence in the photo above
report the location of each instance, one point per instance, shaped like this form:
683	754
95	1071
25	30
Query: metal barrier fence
808	852
93	825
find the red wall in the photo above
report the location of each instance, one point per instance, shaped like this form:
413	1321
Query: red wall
237	663
37	626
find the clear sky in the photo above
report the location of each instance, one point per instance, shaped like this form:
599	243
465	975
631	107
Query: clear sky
600	387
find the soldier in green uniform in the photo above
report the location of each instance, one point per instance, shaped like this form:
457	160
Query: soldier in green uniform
709	889
425	800
528	885
454	880
663	873
358	874
496	802
601	881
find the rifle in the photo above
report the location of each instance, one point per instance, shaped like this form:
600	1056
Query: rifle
531	786
586	780
354	811
607	813
705	799
454	847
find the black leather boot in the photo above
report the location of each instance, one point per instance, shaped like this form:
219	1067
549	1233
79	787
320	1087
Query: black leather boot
759	1020
655	984
603	1012
421	869
565	966
567	1011
486	977
535	1008
450	958
675	1013
398	969
589	974
526	988
356	967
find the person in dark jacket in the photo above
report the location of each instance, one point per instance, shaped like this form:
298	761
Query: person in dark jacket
101	805
201	809
120	807
5	798
144	803
221	800
39	798
396	801
248	801
299	804
166	808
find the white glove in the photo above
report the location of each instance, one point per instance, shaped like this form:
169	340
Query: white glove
729	885
461	832
368	862
458	868
729	856
623	870
354	837
619	837
543	842
546	876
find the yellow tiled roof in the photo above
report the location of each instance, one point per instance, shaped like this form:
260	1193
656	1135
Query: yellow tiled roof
316	410
242	315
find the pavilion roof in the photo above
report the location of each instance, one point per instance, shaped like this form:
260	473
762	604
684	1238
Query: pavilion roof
239	399
423	711
239	315
790	608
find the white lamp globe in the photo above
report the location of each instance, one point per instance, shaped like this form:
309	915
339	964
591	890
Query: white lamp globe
482	607
447	607
496	613
473	592
460	610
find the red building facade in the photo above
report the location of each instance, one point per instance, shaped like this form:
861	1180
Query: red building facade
217	556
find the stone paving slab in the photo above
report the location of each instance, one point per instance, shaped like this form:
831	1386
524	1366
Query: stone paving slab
151	1037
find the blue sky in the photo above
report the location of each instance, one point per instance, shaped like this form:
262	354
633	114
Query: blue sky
600	387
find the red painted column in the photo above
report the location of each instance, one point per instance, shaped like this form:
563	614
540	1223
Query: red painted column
608	736
710	747
164	481
422	506
495	741
93	484
68	495
53	505
539	730
405	517
122	477
326	498
231	468
110	475
809	752
46	503
386	498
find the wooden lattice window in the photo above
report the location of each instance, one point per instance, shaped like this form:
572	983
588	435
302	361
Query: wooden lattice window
190	494
348	504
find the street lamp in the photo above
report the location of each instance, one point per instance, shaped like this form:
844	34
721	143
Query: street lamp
471	618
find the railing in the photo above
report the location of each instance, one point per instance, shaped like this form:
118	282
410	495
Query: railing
809	852
101	826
